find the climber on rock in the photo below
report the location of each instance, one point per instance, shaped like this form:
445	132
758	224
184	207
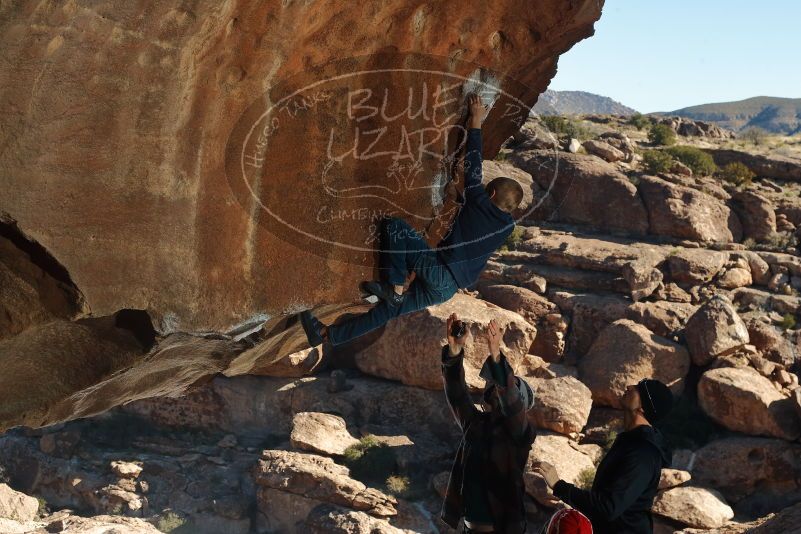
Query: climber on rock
626	480
486	487
482	225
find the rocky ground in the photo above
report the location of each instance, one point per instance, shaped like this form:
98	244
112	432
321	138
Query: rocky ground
614	275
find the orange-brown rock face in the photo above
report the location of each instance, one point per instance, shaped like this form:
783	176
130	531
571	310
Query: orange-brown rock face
225	163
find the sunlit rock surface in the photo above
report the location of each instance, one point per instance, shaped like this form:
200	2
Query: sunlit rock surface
223	164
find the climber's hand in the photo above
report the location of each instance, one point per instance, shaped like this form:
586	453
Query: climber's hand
456	344
477	111
494	333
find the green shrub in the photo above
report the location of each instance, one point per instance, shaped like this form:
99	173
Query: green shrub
782	240
750	243
736	173
554	123
639	121
514	239
370	460
169	522
586	478
44	509
696	159
788	322
754	135
397	485
661	135
562	126
657	161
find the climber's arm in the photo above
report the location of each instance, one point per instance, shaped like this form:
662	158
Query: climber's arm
473	186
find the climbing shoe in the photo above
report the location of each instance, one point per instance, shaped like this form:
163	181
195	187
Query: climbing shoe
312	327
385	292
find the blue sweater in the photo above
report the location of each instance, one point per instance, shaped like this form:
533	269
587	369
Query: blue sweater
479	228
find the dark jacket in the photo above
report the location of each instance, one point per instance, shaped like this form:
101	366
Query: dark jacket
505	438
625	484
481	226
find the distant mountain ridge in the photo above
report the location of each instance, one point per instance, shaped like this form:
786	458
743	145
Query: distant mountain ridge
578	103
773	114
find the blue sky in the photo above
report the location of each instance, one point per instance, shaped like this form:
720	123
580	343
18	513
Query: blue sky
661	56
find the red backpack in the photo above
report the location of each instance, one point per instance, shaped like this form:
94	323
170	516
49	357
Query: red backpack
568	521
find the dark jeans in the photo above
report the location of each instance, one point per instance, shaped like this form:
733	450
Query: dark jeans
403	250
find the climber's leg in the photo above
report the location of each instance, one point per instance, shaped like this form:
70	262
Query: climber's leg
401	246
433	285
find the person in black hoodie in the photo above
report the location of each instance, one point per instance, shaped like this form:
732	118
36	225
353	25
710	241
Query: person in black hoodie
626	480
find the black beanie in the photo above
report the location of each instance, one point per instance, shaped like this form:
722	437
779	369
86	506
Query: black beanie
656	399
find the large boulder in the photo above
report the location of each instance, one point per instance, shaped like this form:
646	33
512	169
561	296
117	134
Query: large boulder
772	166
739	467
540	312
321	433
327	519
692	128
756	213
266	406
603	150
715	330
104	348
743	400
551	339
561	404
573	463
585	190
67	523
694	507
785	521
643	278
590	315
31	292
670	478
734	278
293	481
180	195
17	506
621	142
694	265
409	348
760	269
625	353
686	213
202	271
771	343
527	303
662	317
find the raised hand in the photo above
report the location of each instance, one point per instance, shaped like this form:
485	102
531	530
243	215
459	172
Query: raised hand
456	343
494	334
477	110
